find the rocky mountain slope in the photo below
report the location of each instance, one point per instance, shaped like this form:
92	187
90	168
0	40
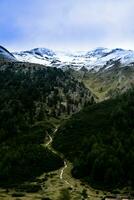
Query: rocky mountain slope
105	72
5	55
95	60
107	83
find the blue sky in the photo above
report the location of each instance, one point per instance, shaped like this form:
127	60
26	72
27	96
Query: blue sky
66	24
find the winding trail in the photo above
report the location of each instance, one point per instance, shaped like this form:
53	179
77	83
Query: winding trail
50	140
62	171
61	174
64	175
48	144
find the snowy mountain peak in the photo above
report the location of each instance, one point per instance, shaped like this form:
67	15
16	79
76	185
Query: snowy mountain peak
96	59
42	51
98	52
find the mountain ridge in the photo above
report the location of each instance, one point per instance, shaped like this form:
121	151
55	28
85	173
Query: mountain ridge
5	55
94	60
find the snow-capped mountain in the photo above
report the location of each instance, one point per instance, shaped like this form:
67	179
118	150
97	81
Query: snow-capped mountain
38	55
5	55
97	59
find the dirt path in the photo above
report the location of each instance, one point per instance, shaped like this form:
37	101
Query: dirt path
65	177
48	144
52	183
50	140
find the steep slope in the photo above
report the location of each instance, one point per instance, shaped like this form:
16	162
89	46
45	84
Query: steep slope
95	60
106	72
37	55
99	141
107	83
32	98
5	55
105	58
63	94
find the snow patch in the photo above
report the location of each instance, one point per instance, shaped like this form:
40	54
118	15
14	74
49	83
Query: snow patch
96	59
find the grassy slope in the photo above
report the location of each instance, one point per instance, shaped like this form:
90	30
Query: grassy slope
105	84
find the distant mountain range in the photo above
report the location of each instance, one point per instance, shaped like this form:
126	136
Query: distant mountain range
95	60
105	72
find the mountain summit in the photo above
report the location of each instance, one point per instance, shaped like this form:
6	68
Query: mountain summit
97	59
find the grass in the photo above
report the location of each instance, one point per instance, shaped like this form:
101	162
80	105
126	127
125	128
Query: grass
52	187
103	84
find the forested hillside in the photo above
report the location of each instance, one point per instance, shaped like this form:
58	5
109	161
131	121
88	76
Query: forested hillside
99	141
30	96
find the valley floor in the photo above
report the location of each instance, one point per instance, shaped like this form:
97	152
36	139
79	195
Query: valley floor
53	183
51	186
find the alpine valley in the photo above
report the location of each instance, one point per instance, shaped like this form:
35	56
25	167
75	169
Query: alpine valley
106	72
66	124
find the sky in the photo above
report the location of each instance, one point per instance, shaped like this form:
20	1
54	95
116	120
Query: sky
66	24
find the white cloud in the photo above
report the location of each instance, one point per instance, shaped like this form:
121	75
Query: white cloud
79	24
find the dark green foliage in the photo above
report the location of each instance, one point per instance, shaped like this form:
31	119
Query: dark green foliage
23	158
38	92
28	188
84	194
100	142
30	96
18	195
64	195
24	162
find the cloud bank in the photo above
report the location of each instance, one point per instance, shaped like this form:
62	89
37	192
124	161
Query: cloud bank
67	24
